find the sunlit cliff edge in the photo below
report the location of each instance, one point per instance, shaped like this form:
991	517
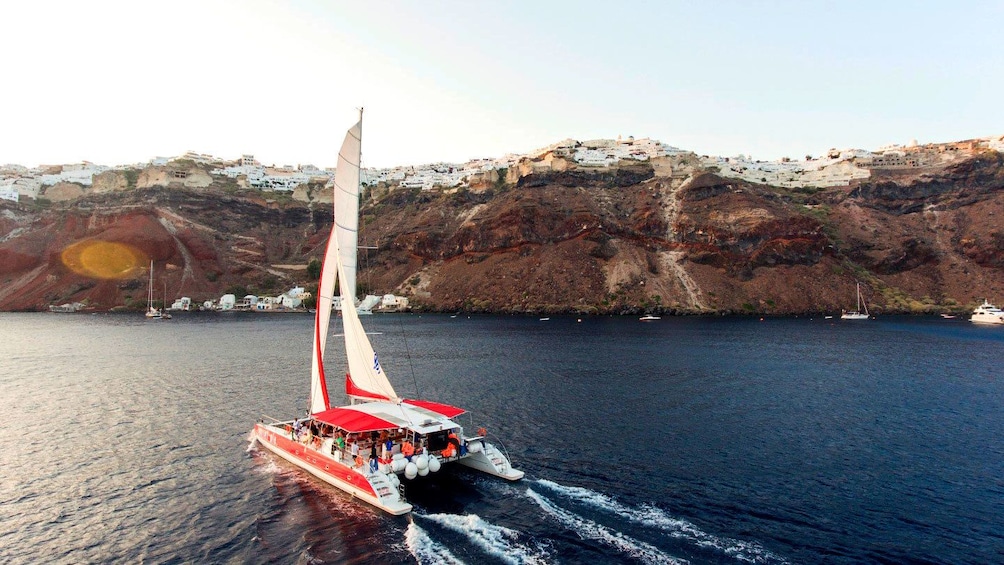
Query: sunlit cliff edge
594	227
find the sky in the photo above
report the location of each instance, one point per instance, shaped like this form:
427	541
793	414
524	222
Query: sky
119	82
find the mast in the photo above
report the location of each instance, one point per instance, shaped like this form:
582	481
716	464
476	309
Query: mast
365	378
863	303
341	244
149	292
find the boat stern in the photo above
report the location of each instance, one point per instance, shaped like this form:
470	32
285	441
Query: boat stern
487	458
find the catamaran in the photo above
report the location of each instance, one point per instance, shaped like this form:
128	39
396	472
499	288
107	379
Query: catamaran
364	447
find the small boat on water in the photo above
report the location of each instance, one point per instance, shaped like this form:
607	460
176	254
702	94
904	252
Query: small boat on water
649	318
363	447
151	311
857	314
67	308
948	316
164	314
987	313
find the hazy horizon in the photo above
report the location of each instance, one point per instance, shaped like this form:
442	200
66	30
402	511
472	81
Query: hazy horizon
115	82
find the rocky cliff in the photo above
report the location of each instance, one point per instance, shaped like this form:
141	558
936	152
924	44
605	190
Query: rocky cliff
662	236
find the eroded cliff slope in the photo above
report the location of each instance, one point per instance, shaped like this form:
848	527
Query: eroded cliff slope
658	236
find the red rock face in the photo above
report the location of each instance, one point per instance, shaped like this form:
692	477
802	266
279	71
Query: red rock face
617	241
200	245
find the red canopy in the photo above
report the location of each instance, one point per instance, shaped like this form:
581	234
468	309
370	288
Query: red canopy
353	421
444	409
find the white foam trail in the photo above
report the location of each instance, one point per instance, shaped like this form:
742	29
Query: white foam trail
498	541
270	467
591	530
677	528
425	550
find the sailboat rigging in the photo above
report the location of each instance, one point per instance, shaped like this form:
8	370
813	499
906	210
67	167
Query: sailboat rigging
364	446
857	314
151	310
163	309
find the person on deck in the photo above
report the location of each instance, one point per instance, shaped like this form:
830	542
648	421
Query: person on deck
407	449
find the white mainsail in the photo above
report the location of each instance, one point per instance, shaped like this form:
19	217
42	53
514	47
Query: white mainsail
340	263
346	202
366	379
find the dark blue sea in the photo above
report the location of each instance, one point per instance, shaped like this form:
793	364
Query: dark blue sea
685	440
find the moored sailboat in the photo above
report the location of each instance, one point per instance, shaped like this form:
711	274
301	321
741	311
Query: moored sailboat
857	314
363	447
151	310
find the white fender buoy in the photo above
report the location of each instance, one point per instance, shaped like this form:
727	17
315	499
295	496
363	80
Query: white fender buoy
394	480
411	470
475	447
422	461
398	465
397	456
434	464
384	467
423	472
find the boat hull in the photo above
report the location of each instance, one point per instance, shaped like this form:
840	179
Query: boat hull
374	488
987	313
853	316
491	461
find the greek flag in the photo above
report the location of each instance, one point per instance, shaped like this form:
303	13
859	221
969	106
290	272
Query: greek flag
376	363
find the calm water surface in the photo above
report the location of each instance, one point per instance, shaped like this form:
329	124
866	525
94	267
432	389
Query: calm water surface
697	440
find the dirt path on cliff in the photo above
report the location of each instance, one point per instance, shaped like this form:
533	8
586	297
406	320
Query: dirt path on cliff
671	259
186	273
946	252
167	219
934	216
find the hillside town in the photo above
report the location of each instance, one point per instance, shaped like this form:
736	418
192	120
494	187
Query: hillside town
835	168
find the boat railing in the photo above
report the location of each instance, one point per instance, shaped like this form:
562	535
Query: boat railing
270	420
505	451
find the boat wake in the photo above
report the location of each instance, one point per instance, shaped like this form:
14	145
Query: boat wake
646	516
425	550
266	465
582	521
498	542
589	529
